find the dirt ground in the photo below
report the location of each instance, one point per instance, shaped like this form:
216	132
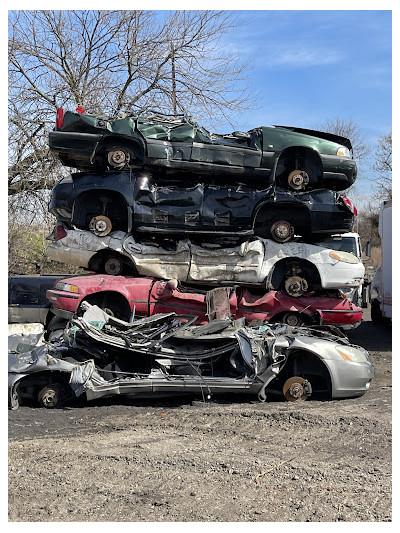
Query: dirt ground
230	460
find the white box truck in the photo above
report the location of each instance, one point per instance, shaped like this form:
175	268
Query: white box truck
381	306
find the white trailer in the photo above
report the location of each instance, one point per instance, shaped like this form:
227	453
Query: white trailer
381	306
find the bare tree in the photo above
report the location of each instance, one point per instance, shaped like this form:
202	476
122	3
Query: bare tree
383	166
112	62
347	127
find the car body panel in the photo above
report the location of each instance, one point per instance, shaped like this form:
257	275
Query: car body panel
147	297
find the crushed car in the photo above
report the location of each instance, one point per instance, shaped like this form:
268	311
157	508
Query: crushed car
147	203
127	296
295	267
167	354
290	157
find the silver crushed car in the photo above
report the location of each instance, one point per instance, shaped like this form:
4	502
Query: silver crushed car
167	355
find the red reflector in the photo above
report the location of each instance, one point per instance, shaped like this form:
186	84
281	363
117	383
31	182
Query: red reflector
59	117
349	205
80	109
60	233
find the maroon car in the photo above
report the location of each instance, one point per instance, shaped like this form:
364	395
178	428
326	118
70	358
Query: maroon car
125	296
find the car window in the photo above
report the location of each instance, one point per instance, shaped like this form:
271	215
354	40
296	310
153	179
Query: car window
23	293
342	245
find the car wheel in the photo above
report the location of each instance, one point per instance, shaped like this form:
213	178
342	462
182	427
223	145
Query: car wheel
298	180
281	231
297	389
292	319
100	225
52	396
118	156
296	286
113	266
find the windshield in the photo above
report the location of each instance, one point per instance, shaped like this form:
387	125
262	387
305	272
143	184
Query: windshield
342	244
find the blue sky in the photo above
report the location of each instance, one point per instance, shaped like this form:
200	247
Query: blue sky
309	66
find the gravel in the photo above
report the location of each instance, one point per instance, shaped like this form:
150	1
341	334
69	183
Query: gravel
229	460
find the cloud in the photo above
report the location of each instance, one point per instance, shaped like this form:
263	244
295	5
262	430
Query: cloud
301	56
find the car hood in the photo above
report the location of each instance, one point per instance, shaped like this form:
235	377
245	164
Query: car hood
322	134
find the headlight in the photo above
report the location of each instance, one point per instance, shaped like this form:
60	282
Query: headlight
345	257
353	353
61	286
342	150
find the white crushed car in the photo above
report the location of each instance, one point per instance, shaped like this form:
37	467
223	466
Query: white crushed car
296	267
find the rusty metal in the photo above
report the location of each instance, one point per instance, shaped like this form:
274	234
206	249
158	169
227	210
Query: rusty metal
297	389
117	157
298	179
296	286
100	225
282	231
113	266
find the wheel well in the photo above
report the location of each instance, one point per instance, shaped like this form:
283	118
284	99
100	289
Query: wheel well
293	266
297	215
30	386
97	262
114	301
134	144
309	366
101	202
301	158
305	318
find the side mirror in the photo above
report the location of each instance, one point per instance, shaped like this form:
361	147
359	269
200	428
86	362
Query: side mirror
368	249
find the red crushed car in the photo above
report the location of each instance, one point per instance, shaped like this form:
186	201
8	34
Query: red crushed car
125	296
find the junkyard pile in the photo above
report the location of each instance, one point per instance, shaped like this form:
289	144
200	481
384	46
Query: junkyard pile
252	204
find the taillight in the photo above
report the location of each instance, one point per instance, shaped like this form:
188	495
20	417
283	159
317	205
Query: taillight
349	205
60	233
80	110
59	117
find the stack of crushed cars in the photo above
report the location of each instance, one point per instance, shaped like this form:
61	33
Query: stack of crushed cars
186	229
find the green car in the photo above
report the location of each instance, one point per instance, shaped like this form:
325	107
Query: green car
292	158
